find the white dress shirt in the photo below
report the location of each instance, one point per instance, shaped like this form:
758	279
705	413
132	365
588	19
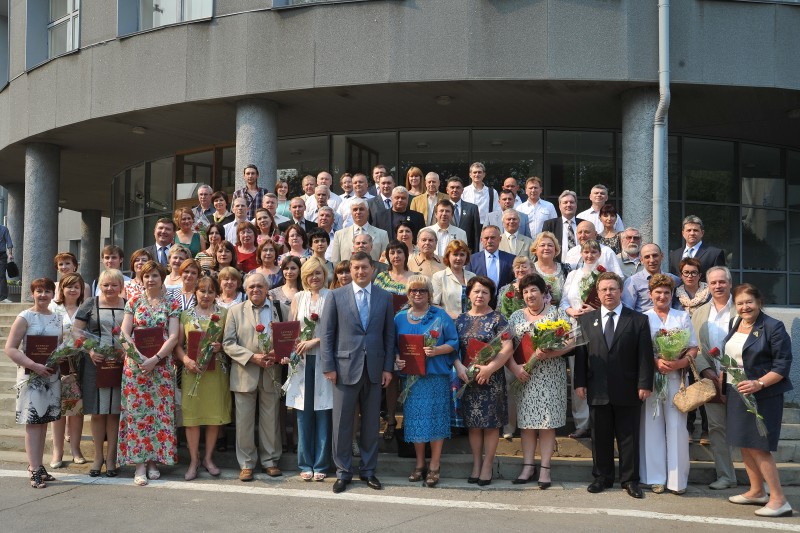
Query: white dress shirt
691	251
334	202
565	234
446	236
718	324
481	199
594	216
608	259
537	214
344	210
604	316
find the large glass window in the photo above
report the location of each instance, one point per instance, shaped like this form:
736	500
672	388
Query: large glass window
4	43
578	160
443	152
508	153
709	171
63	28
227	173
721	225
760	171
360	152
193	169
140	15
301	157
763	239
793	178
159	189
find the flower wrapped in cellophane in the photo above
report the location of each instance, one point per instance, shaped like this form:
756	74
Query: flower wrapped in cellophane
669	345
206	353
306	334
485	355
431	339
549	335
737	375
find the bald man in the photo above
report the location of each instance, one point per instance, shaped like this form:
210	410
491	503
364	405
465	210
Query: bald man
587	232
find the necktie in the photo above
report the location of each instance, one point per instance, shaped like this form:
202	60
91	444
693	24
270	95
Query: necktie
357	231
608	331
570	234
491	270
512	241
162	255
363	307
456	214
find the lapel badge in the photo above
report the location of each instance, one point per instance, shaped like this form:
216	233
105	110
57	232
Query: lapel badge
755	334
595	322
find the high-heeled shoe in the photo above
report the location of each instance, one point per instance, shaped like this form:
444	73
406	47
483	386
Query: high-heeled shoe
523	480
96	472
544	485
484	482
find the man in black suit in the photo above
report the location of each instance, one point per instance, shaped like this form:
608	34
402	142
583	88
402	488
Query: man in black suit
388	219
615	372
297	206
377	171
559	226
692	231
465	214
383	200
164	234
493	263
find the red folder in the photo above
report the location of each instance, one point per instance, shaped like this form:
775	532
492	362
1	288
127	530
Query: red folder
473	347
524	351
398	301
109	374
284	338
193	340
148	341
39	348
412	351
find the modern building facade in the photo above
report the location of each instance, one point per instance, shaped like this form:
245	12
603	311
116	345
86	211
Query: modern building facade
120	108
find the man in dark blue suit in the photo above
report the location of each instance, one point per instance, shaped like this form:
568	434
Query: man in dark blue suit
692	231
465	214
493	263
357	355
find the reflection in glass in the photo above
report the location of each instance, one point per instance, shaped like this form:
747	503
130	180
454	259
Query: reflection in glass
57	39
772	286
508	153
721	224
794	290
709	171
133	236
58	9
793	177
135	195
227	177
118	197
673	168
118	238
160	186
578	160
360	152
760	170
193	169
794	241
300	157
675	219
763	239
155	13
443	152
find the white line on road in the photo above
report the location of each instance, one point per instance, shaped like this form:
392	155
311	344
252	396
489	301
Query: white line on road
420	502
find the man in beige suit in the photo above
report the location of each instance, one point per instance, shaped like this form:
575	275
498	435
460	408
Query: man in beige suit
512	240
342	247
254	379
711	321
426	203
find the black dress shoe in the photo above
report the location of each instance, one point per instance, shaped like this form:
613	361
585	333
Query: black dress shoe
339	485
484	482
634	490
598	486
372	482
472	480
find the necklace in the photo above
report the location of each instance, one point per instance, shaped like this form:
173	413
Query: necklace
539	312
416	318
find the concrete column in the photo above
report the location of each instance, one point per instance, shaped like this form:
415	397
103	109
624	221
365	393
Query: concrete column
42	183
638	112
257	140
90	245
16	219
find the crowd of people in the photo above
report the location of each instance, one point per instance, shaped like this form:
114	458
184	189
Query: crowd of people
364	271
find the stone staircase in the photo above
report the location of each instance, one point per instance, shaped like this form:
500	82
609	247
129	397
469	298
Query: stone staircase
571	463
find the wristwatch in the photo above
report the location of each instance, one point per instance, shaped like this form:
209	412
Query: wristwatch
761	384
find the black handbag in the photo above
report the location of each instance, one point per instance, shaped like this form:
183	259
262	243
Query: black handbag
12	270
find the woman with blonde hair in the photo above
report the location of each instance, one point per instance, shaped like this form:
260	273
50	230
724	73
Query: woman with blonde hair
230	283
186	235
546	248
450	284
415	183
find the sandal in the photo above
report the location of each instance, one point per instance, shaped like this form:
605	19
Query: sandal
306	476
36	480
140	480
388	433
153	473
433	478
112	473
418	474
45	476
95	472
320	476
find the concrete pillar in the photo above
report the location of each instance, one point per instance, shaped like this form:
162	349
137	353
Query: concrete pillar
90	245
638	112
257	141
15	219
42	183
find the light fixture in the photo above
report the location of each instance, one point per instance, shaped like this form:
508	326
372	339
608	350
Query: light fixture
443	100
422	144
496	142
139	130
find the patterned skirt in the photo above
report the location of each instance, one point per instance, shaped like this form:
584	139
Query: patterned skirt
486	406
426	412
38	401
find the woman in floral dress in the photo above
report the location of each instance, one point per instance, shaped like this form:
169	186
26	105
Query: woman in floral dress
483	405
38	400
211	404
542	404
147	421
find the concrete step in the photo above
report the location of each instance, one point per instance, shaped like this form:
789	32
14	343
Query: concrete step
13	439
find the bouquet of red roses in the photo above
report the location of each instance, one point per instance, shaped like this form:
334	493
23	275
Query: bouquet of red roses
485	356
89	342
669	345
213	334
306	334
588	287
549	335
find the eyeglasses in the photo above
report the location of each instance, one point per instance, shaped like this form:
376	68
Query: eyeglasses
417	291
690	273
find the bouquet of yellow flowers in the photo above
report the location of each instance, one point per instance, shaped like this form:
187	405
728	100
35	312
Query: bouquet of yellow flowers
549	335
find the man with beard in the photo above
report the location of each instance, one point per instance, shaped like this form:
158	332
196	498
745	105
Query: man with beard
629	258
